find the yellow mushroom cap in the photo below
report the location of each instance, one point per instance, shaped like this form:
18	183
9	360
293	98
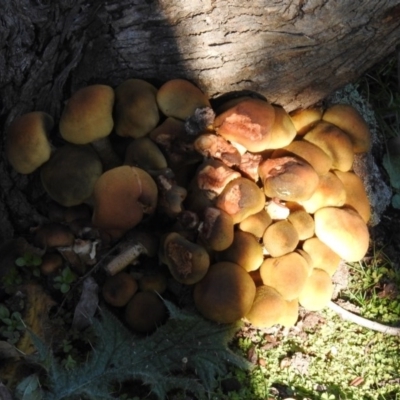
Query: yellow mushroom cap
356	196
179	98
287	274
256	224
268	308
317	290
280	238
329	192
245	250
322	256
27	144
334	142
304	119
135	111
344	231
225	294
303	222
87	115
282	131
349	120
247	123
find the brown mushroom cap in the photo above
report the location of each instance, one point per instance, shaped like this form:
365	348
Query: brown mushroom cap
179	98
303	222
256	224
225	294
216	230
153	283
241	198
349	120
287	274
268	308
121	196
322	256
248	123
188	262
309	152
288	178
70	174
334	142
280	238
135	112
27	144
145	312
304	119
344	231
245	251
87	115
356	196
317	290
329	192
119	289
53	235
51	264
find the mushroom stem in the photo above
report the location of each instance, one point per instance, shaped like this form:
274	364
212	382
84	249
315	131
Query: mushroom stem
366	323
125	258
108	156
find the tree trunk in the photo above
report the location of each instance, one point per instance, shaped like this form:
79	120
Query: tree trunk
293	52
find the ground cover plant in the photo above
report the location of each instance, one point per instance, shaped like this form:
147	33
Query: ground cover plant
322	357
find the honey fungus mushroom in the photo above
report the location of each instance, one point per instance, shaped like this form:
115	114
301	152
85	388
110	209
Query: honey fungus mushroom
122	196
225	294
135	110
87	119
288	178
280	238
27	144
188	262
344	231
119	289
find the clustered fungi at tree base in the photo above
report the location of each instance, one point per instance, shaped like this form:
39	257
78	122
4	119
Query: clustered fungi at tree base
250	206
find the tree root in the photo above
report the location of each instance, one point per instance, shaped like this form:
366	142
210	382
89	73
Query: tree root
366	323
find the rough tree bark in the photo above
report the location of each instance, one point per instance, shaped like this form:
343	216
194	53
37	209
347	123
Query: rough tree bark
293	52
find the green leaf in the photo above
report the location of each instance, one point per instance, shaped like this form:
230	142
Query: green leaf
396	201
4	312
20	262
64	288
29	389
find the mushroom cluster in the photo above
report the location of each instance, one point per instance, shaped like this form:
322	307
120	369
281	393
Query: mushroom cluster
250	206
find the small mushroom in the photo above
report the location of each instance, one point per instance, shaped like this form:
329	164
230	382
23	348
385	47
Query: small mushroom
87	118
288	178
70	174
27	144
215	146
303	223
268	308
53	235
317	290
329	192
248	122
256	224
282	131
245	251
188	262
349	120
304	119
344	231
179	98
145	311
122	196
119	289
145	154
334	142
287	274
322	256
51	264
225	294
216	230
280	238
308	152
153	283
356	196
170	196
240	198
135	111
